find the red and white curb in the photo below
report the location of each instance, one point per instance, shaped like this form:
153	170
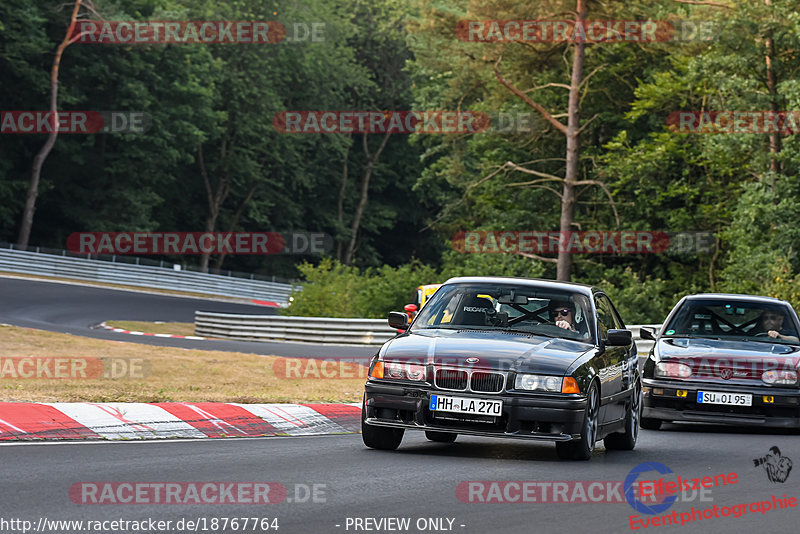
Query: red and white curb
134	333
137	420
269	303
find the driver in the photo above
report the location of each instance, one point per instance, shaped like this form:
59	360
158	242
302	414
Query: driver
772	325
563	315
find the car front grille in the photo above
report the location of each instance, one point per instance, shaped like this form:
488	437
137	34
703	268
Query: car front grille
478	381
486	382
451	379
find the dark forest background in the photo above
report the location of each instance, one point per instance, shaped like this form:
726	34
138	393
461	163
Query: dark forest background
212	159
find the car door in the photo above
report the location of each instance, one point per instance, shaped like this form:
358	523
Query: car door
614	361
630	365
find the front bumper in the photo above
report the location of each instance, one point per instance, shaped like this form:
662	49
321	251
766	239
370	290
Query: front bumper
532	417
666	405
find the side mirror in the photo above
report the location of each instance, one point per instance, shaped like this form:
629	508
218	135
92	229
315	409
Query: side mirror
646	333
618	338
398	320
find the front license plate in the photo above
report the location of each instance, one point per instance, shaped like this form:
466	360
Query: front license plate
717	397
441	403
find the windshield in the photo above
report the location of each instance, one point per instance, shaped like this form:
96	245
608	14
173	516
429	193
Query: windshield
511	308
734	319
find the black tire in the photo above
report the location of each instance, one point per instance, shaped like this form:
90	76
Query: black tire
626	441
583	448
378	437
651	424
440	437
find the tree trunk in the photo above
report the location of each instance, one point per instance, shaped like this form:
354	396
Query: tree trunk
340	203
362	203
38	160
564	264
772	88
214	198
235	220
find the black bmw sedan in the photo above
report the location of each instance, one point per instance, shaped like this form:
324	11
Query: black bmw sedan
724	359
510	358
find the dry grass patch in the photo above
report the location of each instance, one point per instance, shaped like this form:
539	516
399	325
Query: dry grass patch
172	374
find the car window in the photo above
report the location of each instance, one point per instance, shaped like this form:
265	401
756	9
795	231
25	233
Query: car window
733	319
509	307
606	318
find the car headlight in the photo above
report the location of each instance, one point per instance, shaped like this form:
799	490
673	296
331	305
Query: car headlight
672	370
782	378
398	371
538	383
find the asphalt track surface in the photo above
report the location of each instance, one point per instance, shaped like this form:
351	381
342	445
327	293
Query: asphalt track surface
75	309
418	482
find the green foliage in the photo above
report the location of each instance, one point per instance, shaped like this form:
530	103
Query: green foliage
390	54
335	290
330	289
764	241
639	301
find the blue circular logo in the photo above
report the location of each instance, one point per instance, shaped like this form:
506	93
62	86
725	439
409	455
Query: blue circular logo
630	484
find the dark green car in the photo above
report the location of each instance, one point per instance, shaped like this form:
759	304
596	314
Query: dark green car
509	358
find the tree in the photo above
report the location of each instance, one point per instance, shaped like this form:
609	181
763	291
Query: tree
38	161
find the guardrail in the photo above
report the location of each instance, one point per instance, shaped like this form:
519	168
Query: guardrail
307	329
23	262
317	329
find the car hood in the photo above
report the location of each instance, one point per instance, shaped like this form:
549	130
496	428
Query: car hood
727	360
493	350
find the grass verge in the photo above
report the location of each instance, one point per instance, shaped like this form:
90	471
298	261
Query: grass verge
165	374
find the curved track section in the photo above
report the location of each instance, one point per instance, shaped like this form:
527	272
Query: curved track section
75	309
